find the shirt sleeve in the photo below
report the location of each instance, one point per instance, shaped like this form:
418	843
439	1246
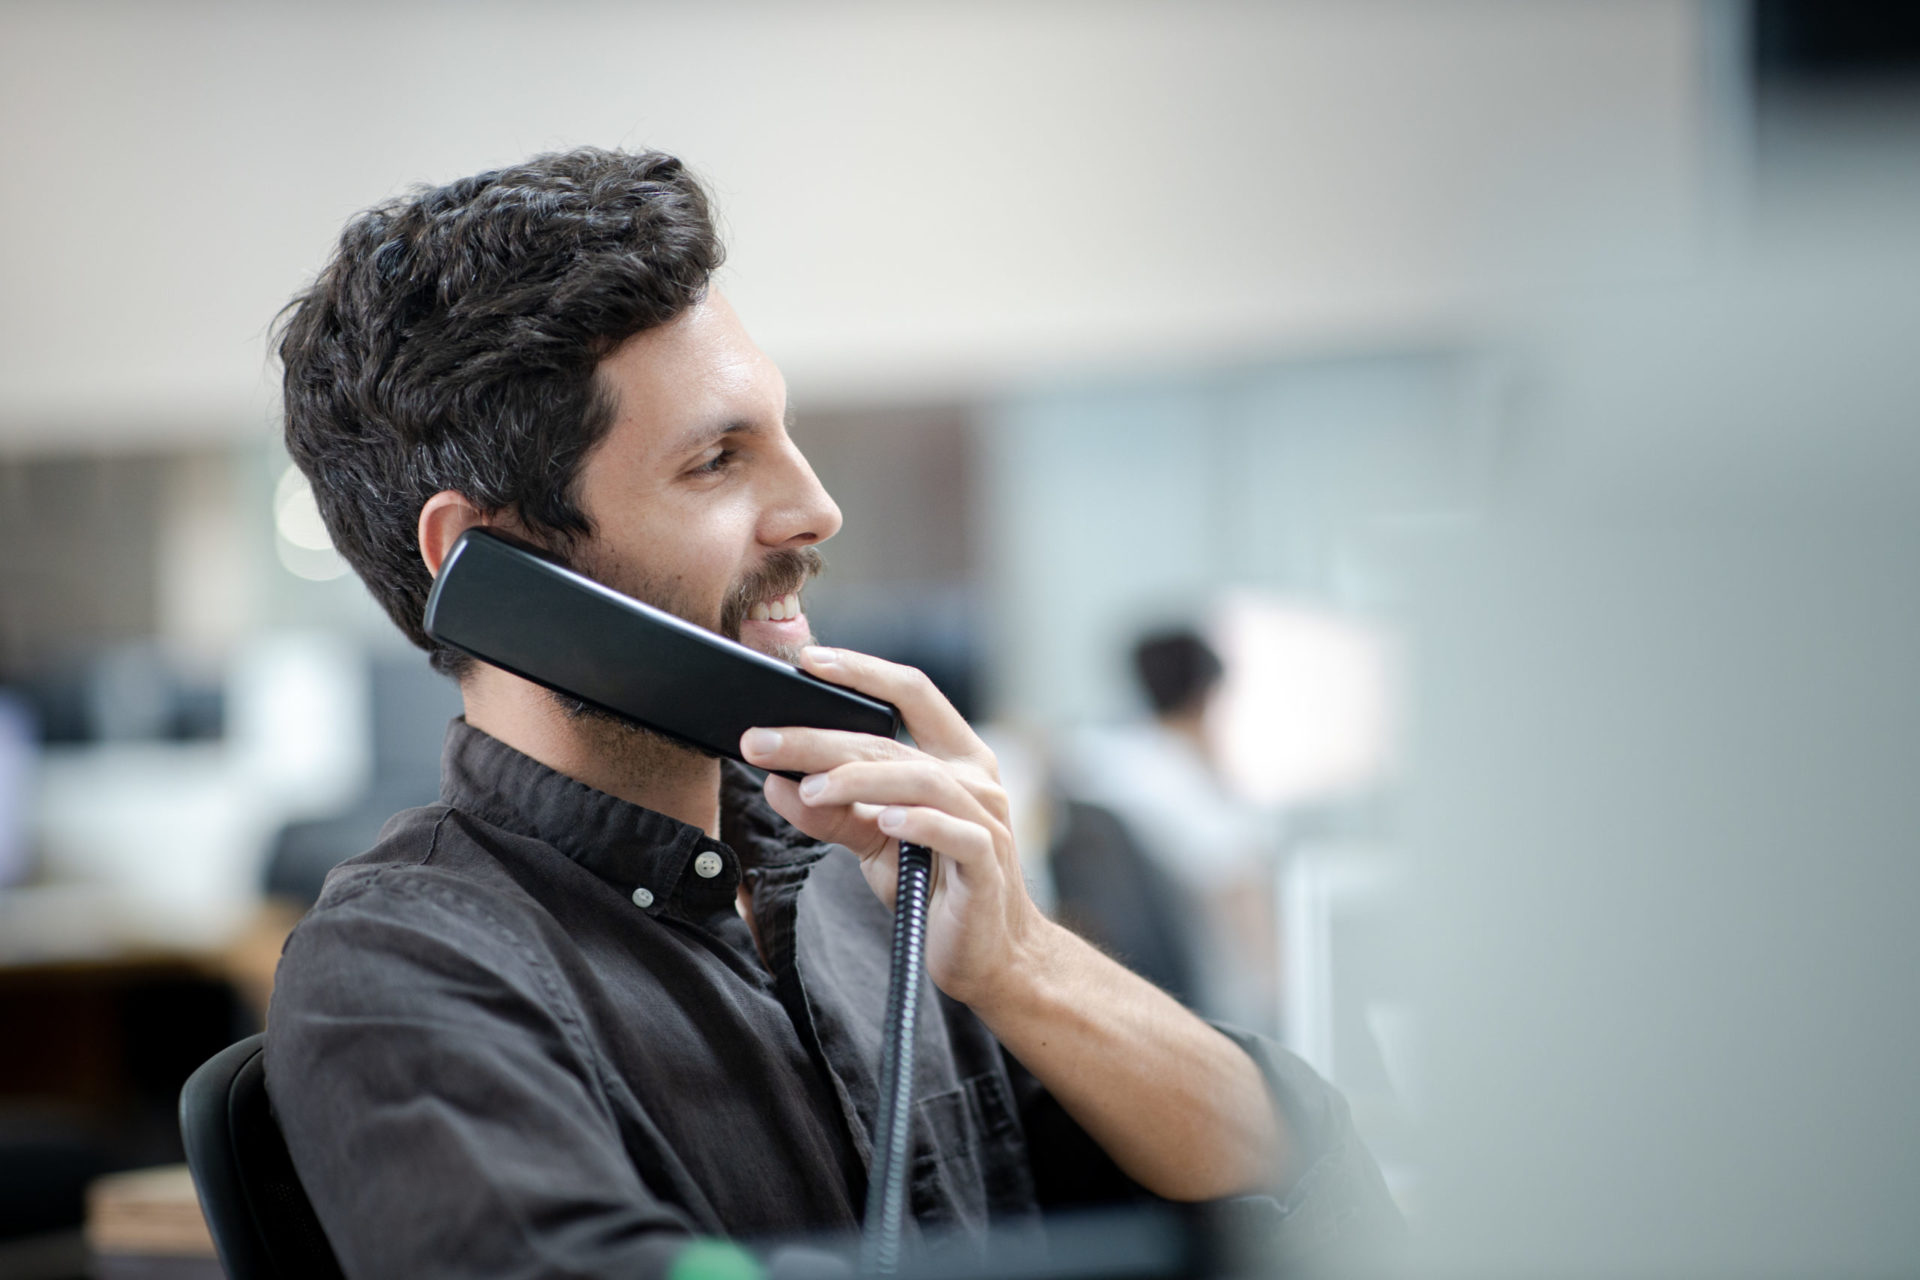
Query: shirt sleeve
439	1105
1335	1204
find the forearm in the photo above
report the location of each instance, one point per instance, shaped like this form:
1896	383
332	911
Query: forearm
1180	1108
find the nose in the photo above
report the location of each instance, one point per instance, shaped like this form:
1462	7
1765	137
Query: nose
800	513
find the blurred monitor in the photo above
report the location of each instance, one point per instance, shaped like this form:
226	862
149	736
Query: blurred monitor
19	747
1832	42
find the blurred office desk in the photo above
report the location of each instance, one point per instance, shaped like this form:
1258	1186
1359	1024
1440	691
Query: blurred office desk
103	1022
65	931
102	1014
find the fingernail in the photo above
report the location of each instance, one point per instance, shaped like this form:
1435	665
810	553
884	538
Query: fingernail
820	655
890	819
813	786
759	742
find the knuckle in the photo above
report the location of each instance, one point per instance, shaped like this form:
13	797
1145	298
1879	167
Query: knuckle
860	748
991	795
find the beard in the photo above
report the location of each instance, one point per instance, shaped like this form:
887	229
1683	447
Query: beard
646	751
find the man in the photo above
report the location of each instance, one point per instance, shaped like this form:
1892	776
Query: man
612	995
1160	779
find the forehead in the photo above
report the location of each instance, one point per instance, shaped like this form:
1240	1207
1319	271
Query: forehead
680	383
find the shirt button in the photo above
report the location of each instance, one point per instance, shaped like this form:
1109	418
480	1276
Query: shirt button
643	897
708	865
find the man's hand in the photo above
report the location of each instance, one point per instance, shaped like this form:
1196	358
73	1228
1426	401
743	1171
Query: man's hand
870	793
1181	1108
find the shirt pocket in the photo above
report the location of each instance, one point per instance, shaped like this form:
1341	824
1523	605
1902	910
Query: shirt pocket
970	1166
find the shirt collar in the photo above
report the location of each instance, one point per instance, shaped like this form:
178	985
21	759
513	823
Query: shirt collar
631	847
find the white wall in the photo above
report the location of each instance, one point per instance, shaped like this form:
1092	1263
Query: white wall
921	198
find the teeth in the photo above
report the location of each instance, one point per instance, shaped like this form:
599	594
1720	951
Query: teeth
787	606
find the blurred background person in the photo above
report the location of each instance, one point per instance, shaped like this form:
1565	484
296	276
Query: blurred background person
1158	859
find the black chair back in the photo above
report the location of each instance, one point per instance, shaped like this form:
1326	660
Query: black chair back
262	1223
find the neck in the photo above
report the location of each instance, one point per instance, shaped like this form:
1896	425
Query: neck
632	764
1191	725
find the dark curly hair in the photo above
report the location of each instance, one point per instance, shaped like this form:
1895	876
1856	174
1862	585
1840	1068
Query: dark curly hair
451	342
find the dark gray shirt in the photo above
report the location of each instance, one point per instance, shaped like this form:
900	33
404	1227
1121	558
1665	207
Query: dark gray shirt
528	1034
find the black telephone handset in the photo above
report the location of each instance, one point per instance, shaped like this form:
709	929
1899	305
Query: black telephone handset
509	604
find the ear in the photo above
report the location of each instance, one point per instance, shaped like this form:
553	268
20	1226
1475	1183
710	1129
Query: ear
443	519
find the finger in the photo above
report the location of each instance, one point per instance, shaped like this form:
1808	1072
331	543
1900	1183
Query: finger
818	751
854	826
929	717
792	749
965	846
897	782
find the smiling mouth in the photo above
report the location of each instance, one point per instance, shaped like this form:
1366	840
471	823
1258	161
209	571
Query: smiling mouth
778	609
771	596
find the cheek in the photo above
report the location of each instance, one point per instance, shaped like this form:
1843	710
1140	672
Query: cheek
703	550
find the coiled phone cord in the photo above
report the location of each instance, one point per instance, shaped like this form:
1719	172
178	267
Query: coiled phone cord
893	1133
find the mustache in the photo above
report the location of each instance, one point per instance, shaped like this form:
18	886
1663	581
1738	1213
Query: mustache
782	572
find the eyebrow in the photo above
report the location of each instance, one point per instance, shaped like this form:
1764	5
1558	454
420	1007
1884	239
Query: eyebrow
703	437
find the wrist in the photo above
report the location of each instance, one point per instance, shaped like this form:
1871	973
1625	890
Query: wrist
1030	969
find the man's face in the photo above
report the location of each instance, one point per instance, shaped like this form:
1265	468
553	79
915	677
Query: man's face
700	502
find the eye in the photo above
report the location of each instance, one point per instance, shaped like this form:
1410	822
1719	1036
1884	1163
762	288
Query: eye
719	462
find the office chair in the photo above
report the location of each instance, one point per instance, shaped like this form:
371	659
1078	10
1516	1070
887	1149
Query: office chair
261	1220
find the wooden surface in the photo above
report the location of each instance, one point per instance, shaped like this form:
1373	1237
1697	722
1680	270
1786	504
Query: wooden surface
147	1212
